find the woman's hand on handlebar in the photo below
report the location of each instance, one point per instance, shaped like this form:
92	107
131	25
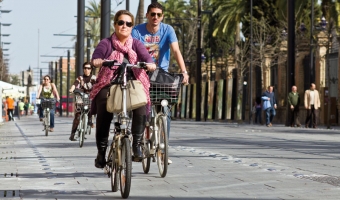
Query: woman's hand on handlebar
151	67
97	62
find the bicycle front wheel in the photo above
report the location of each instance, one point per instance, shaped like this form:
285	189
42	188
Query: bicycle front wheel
162	150
114	171
125	169
82	130
47	122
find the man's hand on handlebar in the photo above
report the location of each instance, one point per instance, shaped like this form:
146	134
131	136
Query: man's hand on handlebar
151	67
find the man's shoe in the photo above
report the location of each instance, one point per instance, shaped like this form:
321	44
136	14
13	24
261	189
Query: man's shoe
306	126
314	126
169	161
51	129
270	124
41	119
299	125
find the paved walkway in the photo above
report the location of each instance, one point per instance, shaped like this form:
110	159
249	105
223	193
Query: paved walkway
211	160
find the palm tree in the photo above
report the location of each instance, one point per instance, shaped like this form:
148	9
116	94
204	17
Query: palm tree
140	12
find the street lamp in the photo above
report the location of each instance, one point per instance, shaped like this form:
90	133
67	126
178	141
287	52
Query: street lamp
5	35
198	63
88	48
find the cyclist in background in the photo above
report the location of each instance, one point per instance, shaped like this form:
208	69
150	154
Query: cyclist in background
159	38
48	90
85	83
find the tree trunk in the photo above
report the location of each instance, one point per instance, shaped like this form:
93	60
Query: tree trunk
140	12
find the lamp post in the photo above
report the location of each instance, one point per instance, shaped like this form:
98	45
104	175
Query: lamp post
88	45
323	27
251	62
198	63
311	64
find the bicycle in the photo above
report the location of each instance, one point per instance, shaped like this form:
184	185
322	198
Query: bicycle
46	105
83	105
155	139
119	159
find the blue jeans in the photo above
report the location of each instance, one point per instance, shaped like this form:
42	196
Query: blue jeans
270	113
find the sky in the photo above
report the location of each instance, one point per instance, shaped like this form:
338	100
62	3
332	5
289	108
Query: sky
33	25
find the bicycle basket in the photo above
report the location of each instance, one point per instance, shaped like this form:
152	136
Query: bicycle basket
168	91
48	103
81	101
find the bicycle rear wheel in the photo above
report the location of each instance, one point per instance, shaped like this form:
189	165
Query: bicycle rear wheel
162	150
146	153
125	169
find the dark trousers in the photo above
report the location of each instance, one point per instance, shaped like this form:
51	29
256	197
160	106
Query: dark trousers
258	115
294	116
104	118
76	121
312	113
10	114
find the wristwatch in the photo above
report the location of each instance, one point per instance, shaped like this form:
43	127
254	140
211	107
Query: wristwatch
184	72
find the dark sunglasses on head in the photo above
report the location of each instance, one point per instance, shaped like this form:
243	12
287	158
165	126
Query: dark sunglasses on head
89	68
121	23
154	14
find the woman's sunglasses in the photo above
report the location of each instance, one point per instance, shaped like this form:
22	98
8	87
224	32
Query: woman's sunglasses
154	14
121	23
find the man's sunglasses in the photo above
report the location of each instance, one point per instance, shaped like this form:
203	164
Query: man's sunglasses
121	23
154	14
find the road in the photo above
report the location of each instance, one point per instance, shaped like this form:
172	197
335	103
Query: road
211	160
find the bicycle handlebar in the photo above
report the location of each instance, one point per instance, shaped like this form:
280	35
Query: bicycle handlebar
110	63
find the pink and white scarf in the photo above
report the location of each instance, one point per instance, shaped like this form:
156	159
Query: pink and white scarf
105	74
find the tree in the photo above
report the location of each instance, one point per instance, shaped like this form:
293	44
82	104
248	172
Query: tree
15	80
266	46
140	12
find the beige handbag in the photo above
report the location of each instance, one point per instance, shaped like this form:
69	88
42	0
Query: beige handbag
135	97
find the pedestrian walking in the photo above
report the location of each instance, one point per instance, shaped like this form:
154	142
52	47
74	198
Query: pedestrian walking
293	103
312	105
269	105
10	108
21	106
258	110
26	107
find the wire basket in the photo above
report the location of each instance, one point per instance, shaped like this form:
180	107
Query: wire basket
82	100
48	103
168	91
